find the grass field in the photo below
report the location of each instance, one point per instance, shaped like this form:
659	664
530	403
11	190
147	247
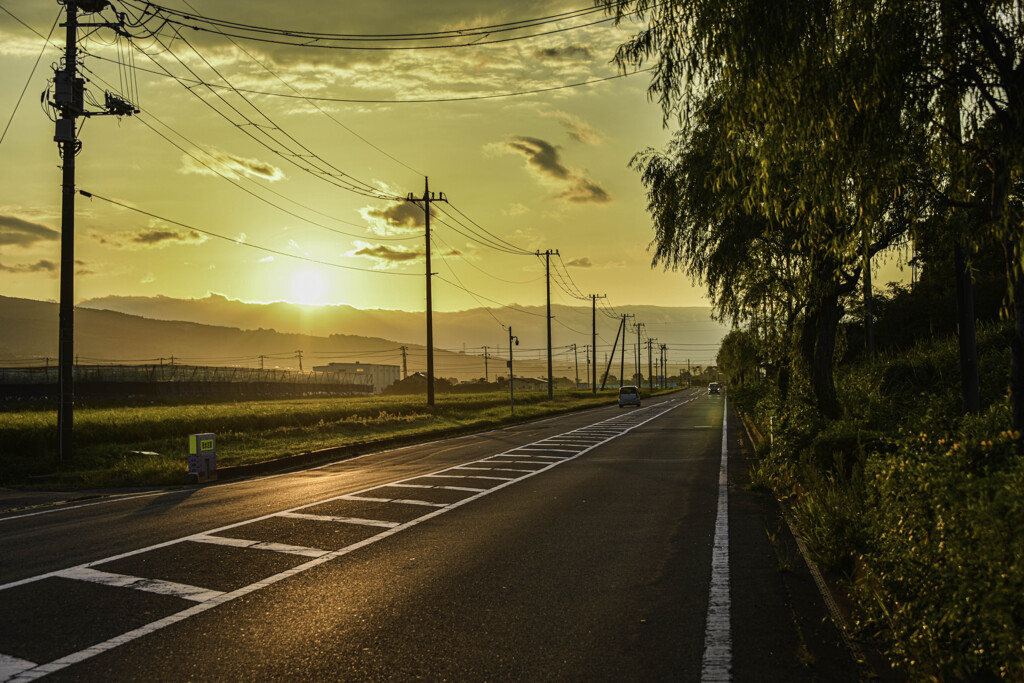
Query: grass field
148	445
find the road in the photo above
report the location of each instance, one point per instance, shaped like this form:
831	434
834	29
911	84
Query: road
605	545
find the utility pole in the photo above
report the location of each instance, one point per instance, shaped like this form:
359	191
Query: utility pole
547	279
622	353
576	357
650	365
511	373
485	365
298	354
586	350
427	198
405	364
69	101
664	369
261	361
689	377
639	374
621	331
593	332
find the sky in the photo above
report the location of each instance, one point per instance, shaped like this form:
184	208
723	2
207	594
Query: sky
199	205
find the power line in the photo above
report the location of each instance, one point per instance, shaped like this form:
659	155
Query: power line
316	106
46	41
92	195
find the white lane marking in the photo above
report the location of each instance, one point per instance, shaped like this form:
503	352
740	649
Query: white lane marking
12	666
261	545
179	590
469	476
403	501
716	665
432	486
345	520
491	469
75	657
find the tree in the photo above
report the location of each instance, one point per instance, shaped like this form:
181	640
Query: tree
737	356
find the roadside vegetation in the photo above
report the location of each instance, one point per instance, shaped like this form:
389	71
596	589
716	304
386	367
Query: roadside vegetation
817	141
129	445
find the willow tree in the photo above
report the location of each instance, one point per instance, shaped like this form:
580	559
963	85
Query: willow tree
906	102
786	151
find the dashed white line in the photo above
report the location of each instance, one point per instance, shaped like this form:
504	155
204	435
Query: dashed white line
179	590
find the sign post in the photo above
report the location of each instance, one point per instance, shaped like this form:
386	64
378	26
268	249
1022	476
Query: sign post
202	457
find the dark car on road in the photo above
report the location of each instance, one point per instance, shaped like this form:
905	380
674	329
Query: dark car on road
714	388
629	396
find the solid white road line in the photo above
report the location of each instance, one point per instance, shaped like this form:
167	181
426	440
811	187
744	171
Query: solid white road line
716	665
403	501
12	666
261	545
346	520
178	590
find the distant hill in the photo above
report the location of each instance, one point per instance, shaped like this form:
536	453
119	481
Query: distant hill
28	333
470	329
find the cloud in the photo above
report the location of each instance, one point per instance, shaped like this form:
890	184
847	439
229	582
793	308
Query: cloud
217	162
153	237
396	217
564	53
582	262
579	130
543	160
41	266
20	232
386	255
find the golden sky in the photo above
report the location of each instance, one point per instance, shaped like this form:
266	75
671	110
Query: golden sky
542	171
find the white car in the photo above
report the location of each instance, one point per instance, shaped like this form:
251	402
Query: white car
629	396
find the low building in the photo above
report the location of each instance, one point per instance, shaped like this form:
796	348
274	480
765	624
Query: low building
530	384
381	376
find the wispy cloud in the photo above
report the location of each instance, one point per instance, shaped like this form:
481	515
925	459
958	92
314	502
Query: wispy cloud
578	129
543	159
21	232
386	255
582	262
396	217
563	53
41	266
217	162
151	238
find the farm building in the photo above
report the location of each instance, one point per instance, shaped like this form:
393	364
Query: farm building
381	376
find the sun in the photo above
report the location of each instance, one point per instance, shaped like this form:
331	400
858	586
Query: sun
308	287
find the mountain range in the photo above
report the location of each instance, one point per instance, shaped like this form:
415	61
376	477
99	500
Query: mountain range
216	330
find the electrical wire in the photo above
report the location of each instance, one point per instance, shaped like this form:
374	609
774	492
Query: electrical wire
245	244
46	41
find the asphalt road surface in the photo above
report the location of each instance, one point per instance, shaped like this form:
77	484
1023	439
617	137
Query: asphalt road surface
613	544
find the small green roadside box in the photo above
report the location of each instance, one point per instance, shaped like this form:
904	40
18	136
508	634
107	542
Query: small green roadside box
202	457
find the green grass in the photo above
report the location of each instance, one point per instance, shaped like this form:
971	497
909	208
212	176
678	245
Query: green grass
108	439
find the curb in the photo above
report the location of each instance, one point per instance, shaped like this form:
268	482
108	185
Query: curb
867	671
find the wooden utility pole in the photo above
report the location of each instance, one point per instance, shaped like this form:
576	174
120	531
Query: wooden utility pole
593	334
485	365
547	277
405	364
69	101
427	198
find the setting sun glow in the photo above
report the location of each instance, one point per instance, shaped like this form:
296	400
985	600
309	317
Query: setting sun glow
308	287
